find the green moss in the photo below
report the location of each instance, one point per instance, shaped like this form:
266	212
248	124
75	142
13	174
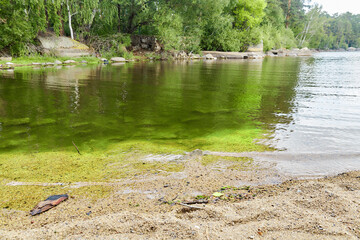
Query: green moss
44	59
26	197
15	122
148	147
71	167
234	141
42	122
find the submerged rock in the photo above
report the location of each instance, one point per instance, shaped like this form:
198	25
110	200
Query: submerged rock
209	56
194	56
118	59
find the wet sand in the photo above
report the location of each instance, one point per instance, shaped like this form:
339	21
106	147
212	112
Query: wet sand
257	203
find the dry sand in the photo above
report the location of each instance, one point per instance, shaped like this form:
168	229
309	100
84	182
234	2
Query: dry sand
147	207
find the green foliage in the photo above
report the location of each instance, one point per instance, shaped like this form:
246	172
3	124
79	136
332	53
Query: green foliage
168	26
224	25
112	45
20	22
249	14
276	38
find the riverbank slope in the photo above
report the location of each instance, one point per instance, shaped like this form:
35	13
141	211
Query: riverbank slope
160	206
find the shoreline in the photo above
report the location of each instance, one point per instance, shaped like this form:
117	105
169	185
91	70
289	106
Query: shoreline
255	202
156	191
46	61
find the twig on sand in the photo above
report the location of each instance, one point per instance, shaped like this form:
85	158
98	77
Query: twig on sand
185	205
76	147
196	202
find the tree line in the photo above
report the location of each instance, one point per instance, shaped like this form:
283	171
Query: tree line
190	25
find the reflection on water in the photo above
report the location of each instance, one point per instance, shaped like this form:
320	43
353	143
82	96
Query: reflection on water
47	109
311	106
323	135
326	113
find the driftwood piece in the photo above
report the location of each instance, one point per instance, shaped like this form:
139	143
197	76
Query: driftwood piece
49	203
76	147
197	202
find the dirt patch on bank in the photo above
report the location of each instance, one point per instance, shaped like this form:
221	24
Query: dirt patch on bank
148	207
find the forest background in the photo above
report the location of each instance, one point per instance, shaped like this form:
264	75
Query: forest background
189	25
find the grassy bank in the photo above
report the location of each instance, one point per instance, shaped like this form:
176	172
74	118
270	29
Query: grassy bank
29	60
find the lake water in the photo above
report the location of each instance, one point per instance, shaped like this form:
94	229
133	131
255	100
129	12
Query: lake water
311	107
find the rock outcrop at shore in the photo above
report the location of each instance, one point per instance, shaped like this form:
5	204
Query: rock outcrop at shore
235	55
304	52
64	46
145	43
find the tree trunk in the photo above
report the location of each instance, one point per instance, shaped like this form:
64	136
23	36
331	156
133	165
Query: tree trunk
130	23
119	17
288	14
61	30
47	17
69	14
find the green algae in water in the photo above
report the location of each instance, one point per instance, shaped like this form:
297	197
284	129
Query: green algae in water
67	167
117	115
220	106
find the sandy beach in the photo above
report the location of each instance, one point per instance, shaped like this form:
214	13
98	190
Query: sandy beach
255	202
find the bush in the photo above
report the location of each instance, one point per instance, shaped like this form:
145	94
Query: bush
112	45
